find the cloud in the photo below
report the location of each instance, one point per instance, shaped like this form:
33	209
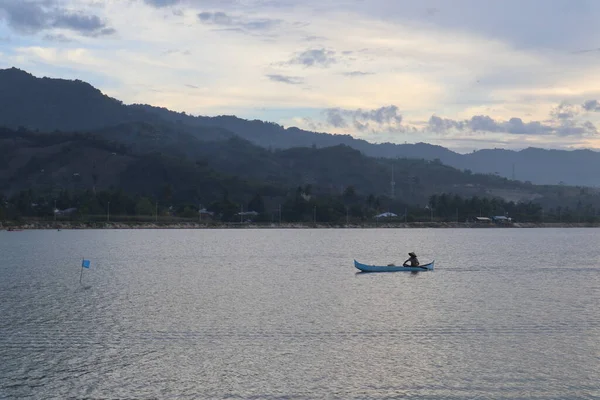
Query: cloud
336	118
514	126
551	24
292	80
161	3
357	73
217	18
389	120
586	51
177	51
443	125
591	105
242	24
30	17
57	38
314	58
385	118
314	38
565	111
80	22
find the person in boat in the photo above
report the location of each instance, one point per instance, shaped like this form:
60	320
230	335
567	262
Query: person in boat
414	261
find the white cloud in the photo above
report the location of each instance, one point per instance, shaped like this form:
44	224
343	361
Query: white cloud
33	16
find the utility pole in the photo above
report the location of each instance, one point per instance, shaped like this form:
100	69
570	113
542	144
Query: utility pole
393	184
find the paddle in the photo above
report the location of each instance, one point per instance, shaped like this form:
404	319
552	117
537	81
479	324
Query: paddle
416	266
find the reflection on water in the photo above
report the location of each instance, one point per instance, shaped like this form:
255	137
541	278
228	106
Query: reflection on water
284	314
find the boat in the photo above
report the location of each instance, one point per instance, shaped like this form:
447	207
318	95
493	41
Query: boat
393	268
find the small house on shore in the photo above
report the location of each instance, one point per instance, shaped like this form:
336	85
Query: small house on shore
502	219
386	215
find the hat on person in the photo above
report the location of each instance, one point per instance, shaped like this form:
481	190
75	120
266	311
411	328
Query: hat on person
412	254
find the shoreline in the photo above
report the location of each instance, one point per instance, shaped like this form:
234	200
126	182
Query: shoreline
68	225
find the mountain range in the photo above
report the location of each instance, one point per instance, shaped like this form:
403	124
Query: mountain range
58	135
47	104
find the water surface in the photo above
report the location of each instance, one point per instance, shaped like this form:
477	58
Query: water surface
270	314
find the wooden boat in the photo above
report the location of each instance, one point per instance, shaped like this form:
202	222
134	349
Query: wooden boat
393	268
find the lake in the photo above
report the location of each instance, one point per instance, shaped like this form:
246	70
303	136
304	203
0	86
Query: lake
282	314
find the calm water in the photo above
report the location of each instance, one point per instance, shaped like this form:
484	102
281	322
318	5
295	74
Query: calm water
271	314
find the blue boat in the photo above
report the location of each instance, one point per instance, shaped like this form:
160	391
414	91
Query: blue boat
392	268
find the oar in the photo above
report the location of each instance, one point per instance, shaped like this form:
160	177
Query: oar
417	266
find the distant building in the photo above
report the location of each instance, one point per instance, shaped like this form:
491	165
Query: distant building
248	213
386	215
204	214
483	220
67	211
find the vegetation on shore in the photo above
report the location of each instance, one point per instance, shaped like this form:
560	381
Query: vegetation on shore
300	206
35	224
83	177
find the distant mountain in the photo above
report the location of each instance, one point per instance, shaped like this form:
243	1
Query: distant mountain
50	163
47	105
271	135
57	104
577	167
202	170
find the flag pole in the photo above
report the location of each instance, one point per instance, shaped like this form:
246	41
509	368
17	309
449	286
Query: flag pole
81	274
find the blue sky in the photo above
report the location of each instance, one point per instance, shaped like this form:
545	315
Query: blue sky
463	74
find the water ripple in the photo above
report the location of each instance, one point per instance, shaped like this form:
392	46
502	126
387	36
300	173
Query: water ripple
282	315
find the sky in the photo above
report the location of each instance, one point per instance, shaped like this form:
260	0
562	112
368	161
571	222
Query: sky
463	74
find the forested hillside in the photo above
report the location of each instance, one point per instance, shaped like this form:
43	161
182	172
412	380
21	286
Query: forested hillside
227	174
47	105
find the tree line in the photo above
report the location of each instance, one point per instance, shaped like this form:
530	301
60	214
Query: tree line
300	206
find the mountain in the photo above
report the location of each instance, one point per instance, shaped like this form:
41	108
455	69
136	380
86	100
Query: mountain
577	167
271	135
51	163
57	104
196	170
47	105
